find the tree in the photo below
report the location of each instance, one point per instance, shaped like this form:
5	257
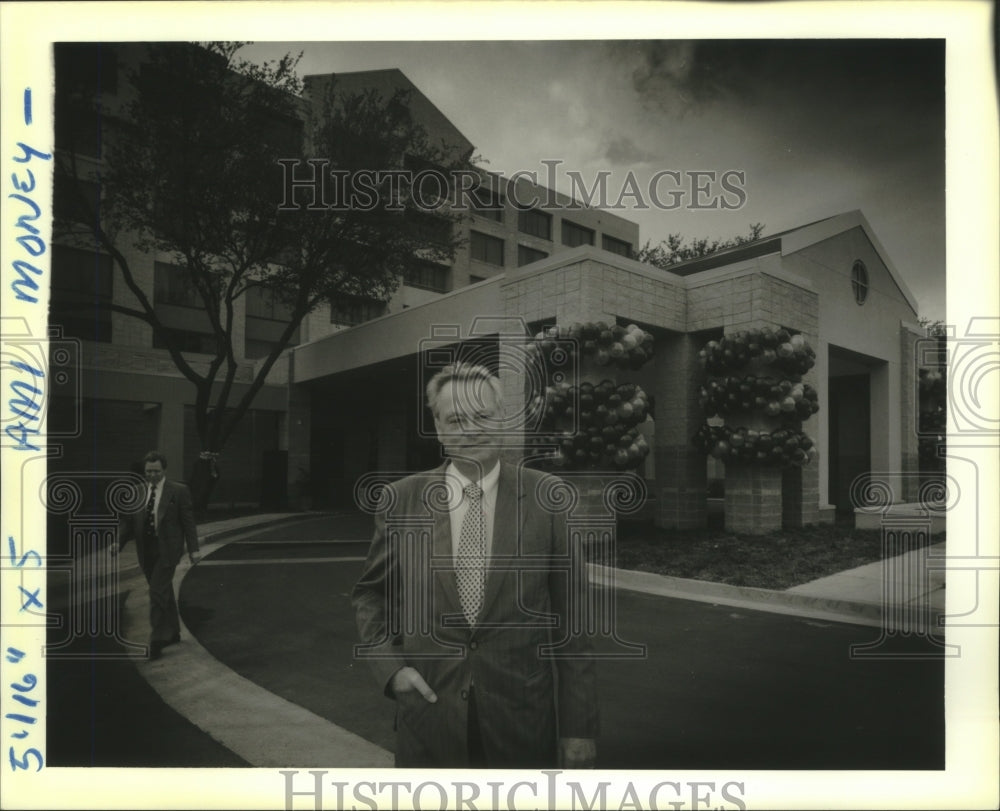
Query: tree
191	170
673	249
932	400
934	329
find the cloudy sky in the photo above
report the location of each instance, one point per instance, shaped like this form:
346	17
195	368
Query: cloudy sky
818	126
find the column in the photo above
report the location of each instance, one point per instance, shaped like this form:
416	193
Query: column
681	469
297	441
753	498
909	408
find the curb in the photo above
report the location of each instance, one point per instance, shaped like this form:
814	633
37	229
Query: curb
749	597
261	727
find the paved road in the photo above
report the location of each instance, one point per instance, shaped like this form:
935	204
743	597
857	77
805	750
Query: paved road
719	688
102	712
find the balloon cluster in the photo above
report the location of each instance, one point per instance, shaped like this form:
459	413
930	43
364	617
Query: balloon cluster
781	448
767	395
775	392
594	426
779	349
605	344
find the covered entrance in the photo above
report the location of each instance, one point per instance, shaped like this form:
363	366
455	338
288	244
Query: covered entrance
375	418
853	385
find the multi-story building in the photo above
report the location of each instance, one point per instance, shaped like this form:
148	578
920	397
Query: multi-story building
133	396
346	398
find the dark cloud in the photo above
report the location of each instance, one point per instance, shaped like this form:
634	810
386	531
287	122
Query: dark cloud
680	76
683	75
623	150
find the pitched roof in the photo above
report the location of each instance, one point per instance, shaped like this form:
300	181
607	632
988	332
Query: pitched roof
795	239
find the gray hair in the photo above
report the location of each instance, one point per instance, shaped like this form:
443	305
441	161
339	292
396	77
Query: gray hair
455	372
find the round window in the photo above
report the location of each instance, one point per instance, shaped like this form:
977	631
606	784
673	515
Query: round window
859	281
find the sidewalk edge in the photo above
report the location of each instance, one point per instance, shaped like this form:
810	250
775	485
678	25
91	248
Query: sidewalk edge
757	599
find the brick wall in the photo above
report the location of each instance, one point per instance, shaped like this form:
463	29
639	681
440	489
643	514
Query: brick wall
753	499
589	290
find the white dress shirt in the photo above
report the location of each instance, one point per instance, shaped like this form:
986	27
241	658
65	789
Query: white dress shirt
458	504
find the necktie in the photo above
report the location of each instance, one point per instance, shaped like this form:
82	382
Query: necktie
151	513
470	564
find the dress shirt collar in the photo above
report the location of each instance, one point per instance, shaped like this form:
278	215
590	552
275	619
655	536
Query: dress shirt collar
457	482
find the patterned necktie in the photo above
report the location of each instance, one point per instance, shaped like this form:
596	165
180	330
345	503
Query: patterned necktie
151	513
470	565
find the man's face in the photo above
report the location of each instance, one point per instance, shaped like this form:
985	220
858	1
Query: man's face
467	418
154	472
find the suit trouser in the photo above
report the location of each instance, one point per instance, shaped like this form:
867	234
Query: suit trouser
164	622
477	754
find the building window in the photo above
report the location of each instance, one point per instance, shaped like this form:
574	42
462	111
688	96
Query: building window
859	281
181	309
351	310
267	318
487	203
618	246
77	129
66	204
526	255
82	286
485	248
427	227
427	276
573	234
264	303
187	341
535	223
83	72
172	285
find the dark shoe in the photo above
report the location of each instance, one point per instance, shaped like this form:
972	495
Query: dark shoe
173	640
155	651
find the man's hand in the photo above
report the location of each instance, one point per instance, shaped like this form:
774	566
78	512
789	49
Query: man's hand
194	557
408	680
577	753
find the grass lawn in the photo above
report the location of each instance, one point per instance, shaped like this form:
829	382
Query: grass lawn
778	560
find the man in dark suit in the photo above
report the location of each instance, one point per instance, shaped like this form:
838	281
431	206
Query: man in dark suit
162	530
469	630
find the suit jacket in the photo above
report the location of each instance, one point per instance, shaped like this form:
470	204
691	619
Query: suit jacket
408	613
176	528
